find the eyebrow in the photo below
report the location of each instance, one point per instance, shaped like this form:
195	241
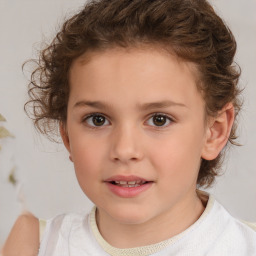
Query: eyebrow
142	107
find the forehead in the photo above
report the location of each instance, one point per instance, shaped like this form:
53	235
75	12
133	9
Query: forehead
136	72
138	49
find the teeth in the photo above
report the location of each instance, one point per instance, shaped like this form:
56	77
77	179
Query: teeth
130	184
133	186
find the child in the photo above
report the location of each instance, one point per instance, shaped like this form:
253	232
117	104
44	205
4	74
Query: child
145	96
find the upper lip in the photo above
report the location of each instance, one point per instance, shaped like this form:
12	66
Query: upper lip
125	178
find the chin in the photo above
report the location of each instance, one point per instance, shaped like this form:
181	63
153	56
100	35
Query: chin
130	215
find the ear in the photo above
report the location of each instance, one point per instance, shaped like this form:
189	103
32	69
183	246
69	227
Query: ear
64	136
218	132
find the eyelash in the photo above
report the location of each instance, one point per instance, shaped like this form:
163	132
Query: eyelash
87	117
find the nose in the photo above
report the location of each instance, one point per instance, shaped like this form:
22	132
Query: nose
126	145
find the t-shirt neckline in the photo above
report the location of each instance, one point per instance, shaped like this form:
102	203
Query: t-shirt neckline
207	200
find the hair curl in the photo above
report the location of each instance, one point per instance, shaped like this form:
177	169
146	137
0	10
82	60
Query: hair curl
190	28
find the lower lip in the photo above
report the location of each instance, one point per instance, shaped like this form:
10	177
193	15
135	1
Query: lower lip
127	192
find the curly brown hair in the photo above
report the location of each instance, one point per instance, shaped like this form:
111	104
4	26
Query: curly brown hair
189	28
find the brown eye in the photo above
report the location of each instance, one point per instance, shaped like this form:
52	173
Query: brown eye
96	120
159	120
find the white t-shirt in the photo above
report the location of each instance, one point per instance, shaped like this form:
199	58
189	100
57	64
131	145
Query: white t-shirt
215	233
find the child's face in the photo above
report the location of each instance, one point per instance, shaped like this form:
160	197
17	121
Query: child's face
148	122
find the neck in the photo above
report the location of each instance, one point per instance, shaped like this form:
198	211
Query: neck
160	228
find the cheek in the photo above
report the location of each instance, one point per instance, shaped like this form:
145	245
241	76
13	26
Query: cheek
87	157
178	156
177	169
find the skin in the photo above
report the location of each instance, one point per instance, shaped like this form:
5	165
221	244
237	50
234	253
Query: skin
23	239
128	142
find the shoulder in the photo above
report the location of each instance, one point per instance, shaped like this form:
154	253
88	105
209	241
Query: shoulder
24	237
64	230
242	233
65	220
225	216
62	223
251	225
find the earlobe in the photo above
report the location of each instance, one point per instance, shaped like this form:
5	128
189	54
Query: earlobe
218	132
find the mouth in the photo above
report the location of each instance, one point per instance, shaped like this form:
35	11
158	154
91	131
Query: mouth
129	184
127	181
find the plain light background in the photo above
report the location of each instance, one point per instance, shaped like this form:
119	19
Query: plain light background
46	177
